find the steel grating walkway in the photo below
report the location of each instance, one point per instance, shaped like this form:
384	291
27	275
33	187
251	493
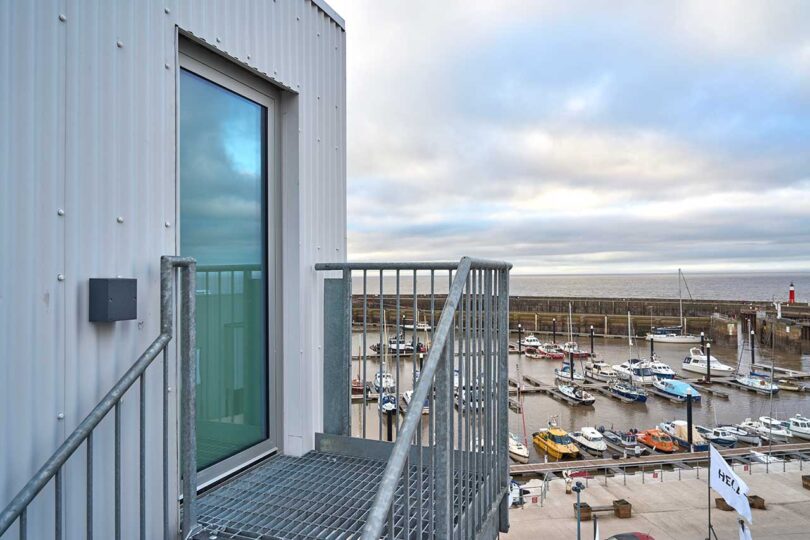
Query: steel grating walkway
318	495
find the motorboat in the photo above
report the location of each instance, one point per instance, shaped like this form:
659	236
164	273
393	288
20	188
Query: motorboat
758	384
565	373
517	450
589	440
555	442
580	396
799	426
695	362
744	433
635	370
627	392
551	351
679	432
776	430
766	433
677	390
407	397
388	402
419	327
718	436
469	399
660	369
401	345
789	385
761	457
384	382
657	440
570	348
531	341
623	441
599	371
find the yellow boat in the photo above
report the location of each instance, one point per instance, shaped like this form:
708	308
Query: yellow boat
555	442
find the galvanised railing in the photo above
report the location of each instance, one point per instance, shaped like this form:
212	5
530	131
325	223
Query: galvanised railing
83	434
447	474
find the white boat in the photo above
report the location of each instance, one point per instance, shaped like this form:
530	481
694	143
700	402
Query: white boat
572	349
744	433
599	370
766	433
660	369
695	361
531	341
564	373
384	382
636	371
420	327
718	436
674	334
407	397
799	426
388	402
678	390
517	450
757	383
764	458
624	441
589	439
774	430
576	393
678	430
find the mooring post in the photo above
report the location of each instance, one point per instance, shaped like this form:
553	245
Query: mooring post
689	418
520	339
554	330
652	347
591	340
752	350
389	425
702	342
571	362
708	362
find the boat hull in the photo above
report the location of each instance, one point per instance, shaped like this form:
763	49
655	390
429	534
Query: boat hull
702	371
665	338
518	458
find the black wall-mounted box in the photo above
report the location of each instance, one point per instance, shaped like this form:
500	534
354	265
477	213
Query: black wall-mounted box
113	299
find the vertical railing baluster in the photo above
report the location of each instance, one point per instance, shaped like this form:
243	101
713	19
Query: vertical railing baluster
117	473
491	405
443	498
24	524
467	445
89	485
432	414
365	348
58	505
399	345
142	460
381	357
503	395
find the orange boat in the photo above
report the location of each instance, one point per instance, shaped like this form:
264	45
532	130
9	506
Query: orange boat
657	440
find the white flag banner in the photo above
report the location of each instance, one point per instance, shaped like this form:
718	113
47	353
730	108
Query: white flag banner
745	532
728	484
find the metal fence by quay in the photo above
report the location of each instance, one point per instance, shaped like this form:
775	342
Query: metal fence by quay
435	387
17	509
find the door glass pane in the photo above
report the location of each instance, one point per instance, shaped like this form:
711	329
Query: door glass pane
223	158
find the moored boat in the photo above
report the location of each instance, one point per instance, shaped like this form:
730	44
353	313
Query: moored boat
517	450
660	369
531	341
744	433
635	370
627	392
757	384
555	442
679	432
718	436
551	351
564	373
572	349
589	440
657	440
467	399
695	362
671	334
774	430
407	397
388	402
575	393
799	426
623	441
789	385
599	371
765	458
384	382
677	390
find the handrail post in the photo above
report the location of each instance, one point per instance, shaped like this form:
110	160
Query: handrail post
444	407
503	392
188	374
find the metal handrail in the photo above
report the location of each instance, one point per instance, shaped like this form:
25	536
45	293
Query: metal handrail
18	506
382	501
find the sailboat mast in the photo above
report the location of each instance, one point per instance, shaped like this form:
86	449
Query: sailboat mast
680	299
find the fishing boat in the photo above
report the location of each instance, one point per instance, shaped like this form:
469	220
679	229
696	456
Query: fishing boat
407	397
635	370
564	373
660	369
677	390
744	433
799	426
679	432
384	382
657	440
517	450
623	441
674	334
718	436
599	371
531	341
572	349
757	384
551	351
580	396
555	442
776	430
695	361
589	440
764	458
388	402
627	392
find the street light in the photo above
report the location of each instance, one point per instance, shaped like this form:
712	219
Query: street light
520	338
578	487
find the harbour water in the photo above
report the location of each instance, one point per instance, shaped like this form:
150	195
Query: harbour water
538	408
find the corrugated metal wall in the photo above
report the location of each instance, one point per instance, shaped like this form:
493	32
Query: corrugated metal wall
88	126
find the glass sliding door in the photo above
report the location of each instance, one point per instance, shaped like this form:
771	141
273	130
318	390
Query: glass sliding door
223	159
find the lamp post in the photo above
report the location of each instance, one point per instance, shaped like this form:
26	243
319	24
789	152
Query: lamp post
554	330
591	340
578	487
520	338
702	342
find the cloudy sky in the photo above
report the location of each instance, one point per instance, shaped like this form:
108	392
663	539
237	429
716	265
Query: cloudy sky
580	137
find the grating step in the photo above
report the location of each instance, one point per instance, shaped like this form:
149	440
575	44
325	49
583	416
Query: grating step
318	495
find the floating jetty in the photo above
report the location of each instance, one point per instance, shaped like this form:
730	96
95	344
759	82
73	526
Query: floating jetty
784	372
679	459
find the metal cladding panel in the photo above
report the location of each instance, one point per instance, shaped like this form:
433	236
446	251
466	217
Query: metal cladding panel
88	108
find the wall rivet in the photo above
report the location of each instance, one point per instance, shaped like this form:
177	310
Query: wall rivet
169	388
167	224
319	139
167	66
248	57
60	416
62	17
60	212
166	11
119	219
60	277
119	44
219	40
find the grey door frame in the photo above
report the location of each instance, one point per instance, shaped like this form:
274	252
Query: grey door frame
219	70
